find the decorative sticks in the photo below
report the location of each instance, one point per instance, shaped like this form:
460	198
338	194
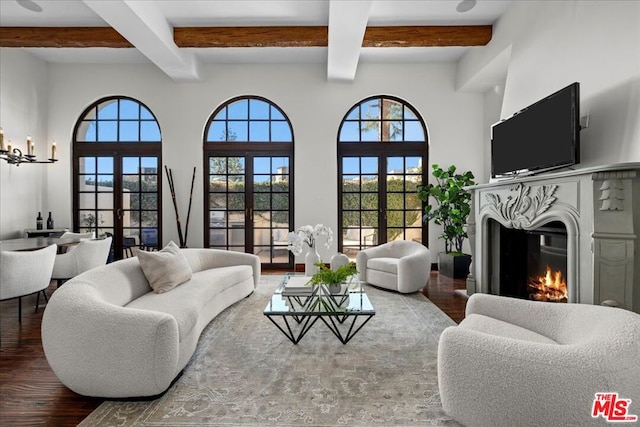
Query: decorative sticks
186	228
169	173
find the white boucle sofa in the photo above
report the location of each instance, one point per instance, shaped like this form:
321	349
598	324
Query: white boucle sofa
106	334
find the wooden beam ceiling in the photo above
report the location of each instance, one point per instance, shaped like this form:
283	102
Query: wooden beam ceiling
427	36
222	37
251	36
62	37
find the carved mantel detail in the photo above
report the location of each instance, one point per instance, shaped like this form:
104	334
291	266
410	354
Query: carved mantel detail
612	195
522	209
612	188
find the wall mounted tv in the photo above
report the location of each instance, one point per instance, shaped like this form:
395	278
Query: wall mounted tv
541	137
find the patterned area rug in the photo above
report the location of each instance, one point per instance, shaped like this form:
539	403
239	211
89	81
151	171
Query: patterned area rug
245	372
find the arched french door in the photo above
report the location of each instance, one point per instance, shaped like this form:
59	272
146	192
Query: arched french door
117	157
382	147
248	159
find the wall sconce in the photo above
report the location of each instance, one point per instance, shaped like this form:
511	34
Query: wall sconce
14	156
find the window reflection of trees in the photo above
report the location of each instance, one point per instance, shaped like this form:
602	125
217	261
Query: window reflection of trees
248	148
381	147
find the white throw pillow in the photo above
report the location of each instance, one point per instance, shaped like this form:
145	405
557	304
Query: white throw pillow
166	268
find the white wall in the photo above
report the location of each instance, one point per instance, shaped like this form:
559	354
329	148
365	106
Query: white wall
314	106
549	45
23	111
491	114
553	44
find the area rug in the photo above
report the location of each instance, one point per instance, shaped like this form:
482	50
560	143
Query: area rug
245	372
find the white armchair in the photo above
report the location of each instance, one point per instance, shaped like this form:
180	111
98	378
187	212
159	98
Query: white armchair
401	265
84	256
24	273
515	362
72	235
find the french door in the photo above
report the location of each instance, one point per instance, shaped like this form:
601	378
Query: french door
378	201
118	195
117	148
382	147
249	205
248	153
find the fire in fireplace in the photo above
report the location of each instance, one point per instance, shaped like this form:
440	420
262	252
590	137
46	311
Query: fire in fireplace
548	287
529	264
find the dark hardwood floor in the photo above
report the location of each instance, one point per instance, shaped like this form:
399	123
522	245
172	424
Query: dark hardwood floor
30	393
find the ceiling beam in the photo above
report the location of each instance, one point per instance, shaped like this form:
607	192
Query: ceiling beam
347	24
142	23
222	37
62	37
427	36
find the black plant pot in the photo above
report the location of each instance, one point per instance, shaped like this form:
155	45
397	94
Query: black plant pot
455	266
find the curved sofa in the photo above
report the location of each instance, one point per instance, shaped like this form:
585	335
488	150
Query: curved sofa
105	333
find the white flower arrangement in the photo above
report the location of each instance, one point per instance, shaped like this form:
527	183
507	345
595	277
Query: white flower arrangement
308	234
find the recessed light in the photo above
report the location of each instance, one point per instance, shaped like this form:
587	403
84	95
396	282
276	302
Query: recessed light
30	5
466	5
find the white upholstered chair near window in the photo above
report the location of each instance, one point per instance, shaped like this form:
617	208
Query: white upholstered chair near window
401	265
84	256
514	362
72	235
24	273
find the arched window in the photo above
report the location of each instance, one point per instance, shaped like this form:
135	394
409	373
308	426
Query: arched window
117	153
382	147
248	156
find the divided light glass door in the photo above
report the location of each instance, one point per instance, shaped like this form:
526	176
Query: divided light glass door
249	206
118	196
117	158
379	202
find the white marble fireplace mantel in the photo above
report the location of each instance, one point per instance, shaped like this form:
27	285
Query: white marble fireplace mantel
600	208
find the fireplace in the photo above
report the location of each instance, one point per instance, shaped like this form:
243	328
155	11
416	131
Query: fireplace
584	225
529	264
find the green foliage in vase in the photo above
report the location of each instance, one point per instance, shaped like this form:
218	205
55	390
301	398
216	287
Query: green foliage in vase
328	276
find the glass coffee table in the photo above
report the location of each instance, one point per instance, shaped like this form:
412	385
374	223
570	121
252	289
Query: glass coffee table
295	307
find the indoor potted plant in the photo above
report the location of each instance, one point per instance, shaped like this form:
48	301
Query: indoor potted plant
451	207
333	278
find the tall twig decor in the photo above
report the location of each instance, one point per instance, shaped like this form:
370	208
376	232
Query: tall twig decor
169	173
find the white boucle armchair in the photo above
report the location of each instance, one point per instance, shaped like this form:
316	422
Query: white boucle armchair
401	265
24	273
87	254
514	362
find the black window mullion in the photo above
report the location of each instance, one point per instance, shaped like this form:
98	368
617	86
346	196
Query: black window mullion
118	150
248	150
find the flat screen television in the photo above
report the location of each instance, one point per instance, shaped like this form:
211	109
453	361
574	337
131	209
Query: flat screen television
541	137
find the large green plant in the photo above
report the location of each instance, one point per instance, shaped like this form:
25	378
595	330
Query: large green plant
452	204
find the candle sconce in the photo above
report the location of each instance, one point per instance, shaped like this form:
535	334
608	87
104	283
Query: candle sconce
14	156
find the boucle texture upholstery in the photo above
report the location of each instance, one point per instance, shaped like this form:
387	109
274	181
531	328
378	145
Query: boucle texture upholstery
166	268
84	256
514	362
401	265
25	272
105	333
